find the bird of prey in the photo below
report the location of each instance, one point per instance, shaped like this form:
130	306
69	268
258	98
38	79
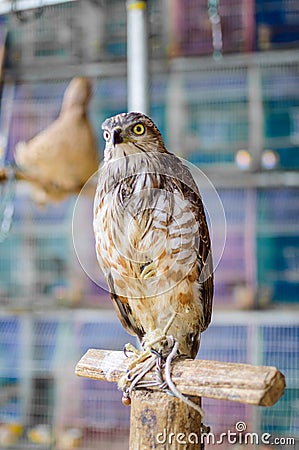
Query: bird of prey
152	239
60	159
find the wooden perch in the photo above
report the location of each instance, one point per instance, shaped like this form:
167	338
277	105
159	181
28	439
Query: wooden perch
159	420
256	385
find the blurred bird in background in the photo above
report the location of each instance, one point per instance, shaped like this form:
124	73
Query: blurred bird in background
59	160
153	245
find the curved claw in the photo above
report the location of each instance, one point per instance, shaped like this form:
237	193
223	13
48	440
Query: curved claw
125	350
129	348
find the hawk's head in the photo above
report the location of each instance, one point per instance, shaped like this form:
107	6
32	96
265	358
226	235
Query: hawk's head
129	133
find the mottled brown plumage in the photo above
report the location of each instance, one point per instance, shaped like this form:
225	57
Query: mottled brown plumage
152	239
59	160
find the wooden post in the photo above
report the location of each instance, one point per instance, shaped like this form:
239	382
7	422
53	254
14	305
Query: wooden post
160	421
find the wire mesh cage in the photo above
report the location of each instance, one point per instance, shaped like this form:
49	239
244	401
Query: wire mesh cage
213	109
277	24
235	282
257	339
35	264
76	32
94	30
39	391
216	123
280	104
277	243
282	418
213	112
242	26
52	36
192	27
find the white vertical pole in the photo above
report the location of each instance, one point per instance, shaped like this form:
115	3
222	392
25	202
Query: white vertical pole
137	54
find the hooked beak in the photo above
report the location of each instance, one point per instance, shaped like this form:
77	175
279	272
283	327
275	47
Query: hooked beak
117	137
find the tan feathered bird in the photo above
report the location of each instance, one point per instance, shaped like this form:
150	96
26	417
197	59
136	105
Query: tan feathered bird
60	159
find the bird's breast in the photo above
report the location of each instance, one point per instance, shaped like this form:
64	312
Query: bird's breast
145	234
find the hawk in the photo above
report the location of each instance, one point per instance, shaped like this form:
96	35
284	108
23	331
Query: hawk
152	238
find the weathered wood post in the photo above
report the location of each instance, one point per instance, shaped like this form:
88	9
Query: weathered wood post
160	421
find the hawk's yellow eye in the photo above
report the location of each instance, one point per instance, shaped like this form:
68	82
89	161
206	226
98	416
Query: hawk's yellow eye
106	135
138	129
